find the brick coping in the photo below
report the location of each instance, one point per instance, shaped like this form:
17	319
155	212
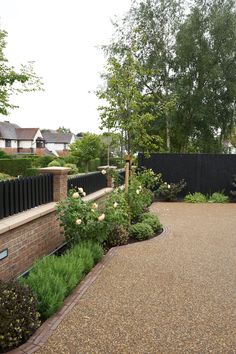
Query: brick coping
40	337
24	217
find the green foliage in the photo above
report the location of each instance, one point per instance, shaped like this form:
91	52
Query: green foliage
4	177
71	159
18	313
118	236
80	251
170	191
81	220
16	167
32	171
12	82
54	163
95	248
139	198
149	179
141	231
151	220
87	148
196	197
93	164
73	169
218	198
43	161
4	155
117	210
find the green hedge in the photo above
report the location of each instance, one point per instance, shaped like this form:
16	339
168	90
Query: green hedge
15	167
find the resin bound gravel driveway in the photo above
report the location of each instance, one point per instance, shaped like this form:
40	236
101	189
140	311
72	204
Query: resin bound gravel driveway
173	294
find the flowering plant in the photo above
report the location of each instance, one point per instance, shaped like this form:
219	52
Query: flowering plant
169	191
149	179
81	220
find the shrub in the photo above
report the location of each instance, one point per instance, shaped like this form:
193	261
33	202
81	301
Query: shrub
80	251
4	155
95	248
81	220
151	220
32	171
149	179
117	210
19	317
71	159
4	177
170	191
73	169
141	231
118	236
54	163
139	198
43	161
196	197
218	198
48	285
93	164
15	167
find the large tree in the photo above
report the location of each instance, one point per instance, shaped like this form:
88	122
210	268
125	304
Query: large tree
12	81
185	65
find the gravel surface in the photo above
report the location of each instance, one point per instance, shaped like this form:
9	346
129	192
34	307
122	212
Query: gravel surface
175	294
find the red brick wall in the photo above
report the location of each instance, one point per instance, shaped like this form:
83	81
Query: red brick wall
9	150
27	243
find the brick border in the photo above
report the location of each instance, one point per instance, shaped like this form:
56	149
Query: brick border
39	338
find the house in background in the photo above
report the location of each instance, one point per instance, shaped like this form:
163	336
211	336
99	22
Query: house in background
58	142
16	140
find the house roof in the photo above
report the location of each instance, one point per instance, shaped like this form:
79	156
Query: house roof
26	133
14	132
52	136
8	130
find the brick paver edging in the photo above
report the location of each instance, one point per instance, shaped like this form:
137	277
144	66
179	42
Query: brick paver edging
39	338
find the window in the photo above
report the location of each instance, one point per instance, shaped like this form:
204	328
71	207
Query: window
65	147
7	143
40	143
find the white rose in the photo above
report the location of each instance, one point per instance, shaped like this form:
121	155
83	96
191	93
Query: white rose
165	182
168	186
137	191
104	172
75	195
78	221
80	190
115	205
101	217
94	206
84	194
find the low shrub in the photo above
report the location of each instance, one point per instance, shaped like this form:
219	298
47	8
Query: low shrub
73	169
118	236
48	285
196	197
18	313
141	231
4	177
95	248
43	161
54	163
151	220
15	167
218	198
169	192
80	251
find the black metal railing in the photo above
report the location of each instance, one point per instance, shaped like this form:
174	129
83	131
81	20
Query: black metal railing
25	193
90	182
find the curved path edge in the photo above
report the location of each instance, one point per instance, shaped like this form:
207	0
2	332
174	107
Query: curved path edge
39	338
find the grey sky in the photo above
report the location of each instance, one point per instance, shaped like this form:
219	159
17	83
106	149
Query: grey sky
61	37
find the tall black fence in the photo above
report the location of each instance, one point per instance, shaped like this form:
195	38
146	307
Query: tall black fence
90	182
24	193
205	173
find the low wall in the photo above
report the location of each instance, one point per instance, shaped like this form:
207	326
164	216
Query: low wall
27	236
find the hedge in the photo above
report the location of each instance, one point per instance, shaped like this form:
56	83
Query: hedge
15	167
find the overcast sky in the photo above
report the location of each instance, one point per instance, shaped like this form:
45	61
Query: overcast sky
61	36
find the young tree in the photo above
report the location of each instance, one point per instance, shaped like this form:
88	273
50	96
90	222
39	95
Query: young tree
87	148
12	82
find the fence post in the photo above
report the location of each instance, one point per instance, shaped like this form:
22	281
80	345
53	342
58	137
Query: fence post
60	176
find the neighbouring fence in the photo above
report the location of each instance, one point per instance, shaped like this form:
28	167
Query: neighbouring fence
90	182
25	193
205	173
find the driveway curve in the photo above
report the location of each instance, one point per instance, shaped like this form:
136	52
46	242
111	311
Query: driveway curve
173	294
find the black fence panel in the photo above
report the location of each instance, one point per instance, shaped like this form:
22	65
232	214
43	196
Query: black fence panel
25	193
90	182
205	173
